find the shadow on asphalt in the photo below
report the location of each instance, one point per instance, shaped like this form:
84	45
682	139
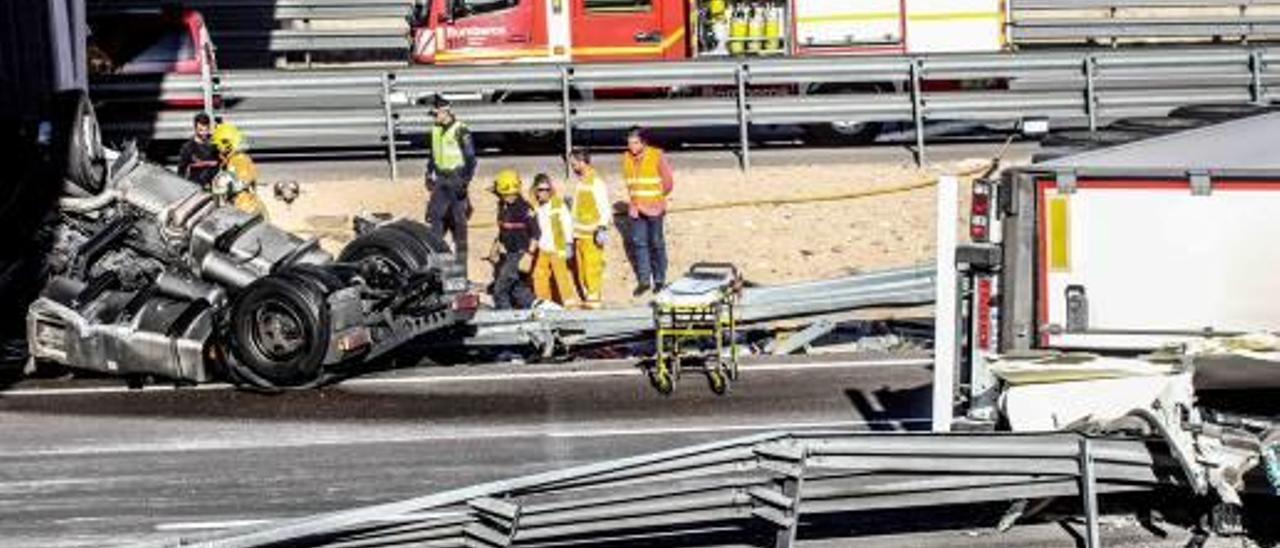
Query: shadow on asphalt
885	407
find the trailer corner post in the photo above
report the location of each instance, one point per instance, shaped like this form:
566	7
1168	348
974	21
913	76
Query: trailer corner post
945	309
744	121
389	116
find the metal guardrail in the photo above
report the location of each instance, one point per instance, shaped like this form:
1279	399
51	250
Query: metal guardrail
774	480
1080	86
548	330
1037	21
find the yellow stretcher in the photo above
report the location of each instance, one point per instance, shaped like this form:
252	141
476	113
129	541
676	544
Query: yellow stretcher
695	322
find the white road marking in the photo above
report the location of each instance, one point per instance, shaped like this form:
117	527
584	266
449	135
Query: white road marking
484	377
341	439
203	525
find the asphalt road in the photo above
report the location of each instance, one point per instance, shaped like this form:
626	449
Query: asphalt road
91	463
102	465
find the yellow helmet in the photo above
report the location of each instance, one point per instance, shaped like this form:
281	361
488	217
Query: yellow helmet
227	137
507	183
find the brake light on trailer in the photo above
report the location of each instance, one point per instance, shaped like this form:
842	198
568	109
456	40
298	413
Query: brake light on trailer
980	212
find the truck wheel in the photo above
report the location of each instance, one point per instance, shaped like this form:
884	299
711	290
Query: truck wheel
422	233
842	133
78	142
279	333
388	253
845	133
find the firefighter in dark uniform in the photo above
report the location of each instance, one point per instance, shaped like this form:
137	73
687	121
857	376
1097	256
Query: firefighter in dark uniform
450	168
513	251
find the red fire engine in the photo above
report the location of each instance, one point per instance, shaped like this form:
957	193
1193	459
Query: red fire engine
532	31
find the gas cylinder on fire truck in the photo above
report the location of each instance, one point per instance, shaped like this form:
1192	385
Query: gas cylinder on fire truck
738	28
755	28
773	29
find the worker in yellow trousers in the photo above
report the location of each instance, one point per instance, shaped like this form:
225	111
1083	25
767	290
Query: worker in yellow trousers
551	279
590	227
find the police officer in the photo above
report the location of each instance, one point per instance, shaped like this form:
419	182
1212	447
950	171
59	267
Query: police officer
450	167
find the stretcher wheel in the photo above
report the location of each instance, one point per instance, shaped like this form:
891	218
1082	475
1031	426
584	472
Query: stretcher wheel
719	384
661	381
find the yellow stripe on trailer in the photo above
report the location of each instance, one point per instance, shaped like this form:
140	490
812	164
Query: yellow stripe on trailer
1059	233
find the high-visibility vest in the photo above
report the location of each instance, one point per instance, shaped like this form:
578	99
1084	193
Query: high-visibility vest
586	214
242	166
558	237
644	180
446	151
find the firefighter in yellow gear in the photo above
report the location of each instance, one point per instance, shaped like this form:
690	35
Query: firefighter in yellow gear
591	210
237	182
551	278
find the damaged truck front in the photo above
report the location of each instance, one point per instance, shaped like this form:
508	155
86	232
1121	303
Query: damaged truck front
149	276
1131	291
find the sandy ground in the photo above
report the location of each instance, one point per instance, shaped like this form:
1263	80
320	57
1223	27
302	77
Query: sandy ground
865	217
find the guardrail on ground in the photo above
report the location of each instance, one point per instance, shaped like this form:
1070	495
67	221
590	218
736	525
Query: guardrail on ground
737	487
1087	86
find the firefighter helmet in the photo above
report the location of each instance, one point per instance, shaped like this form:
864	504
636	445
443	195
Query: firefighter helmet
227	137
507	183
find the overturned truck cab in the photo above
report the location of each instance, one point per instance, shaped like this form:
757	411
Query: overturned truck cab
1129	291
149	276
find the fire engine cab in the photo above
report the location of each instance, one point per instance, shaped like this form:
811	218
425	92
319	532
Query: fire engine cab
499	31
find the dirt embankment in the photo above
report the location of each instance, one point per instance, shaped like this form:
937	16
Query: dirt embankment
784	224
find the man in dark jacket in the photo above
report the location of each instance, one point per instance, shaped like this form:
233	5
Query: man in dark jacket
513	251
450	167
198	159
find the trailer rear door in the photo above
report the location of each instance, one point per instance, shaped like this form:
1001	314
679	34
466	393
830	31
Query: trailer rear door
1136	263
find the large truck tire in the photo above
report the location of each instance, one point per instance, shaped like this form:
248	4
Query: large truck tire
842	133
78	142
845	133
392	251
279	332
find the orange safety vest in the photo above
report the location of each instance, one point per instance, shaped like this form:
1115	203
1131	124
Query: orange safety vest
644	180
586	215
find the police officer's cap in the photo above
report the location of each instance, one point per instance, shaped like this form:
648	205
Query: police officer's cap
438	102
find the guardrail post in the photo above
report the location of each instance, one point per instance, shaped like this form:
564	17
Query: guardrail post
389	116
566	73
744	122
1089	494
1256	90
1090	94
917	109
